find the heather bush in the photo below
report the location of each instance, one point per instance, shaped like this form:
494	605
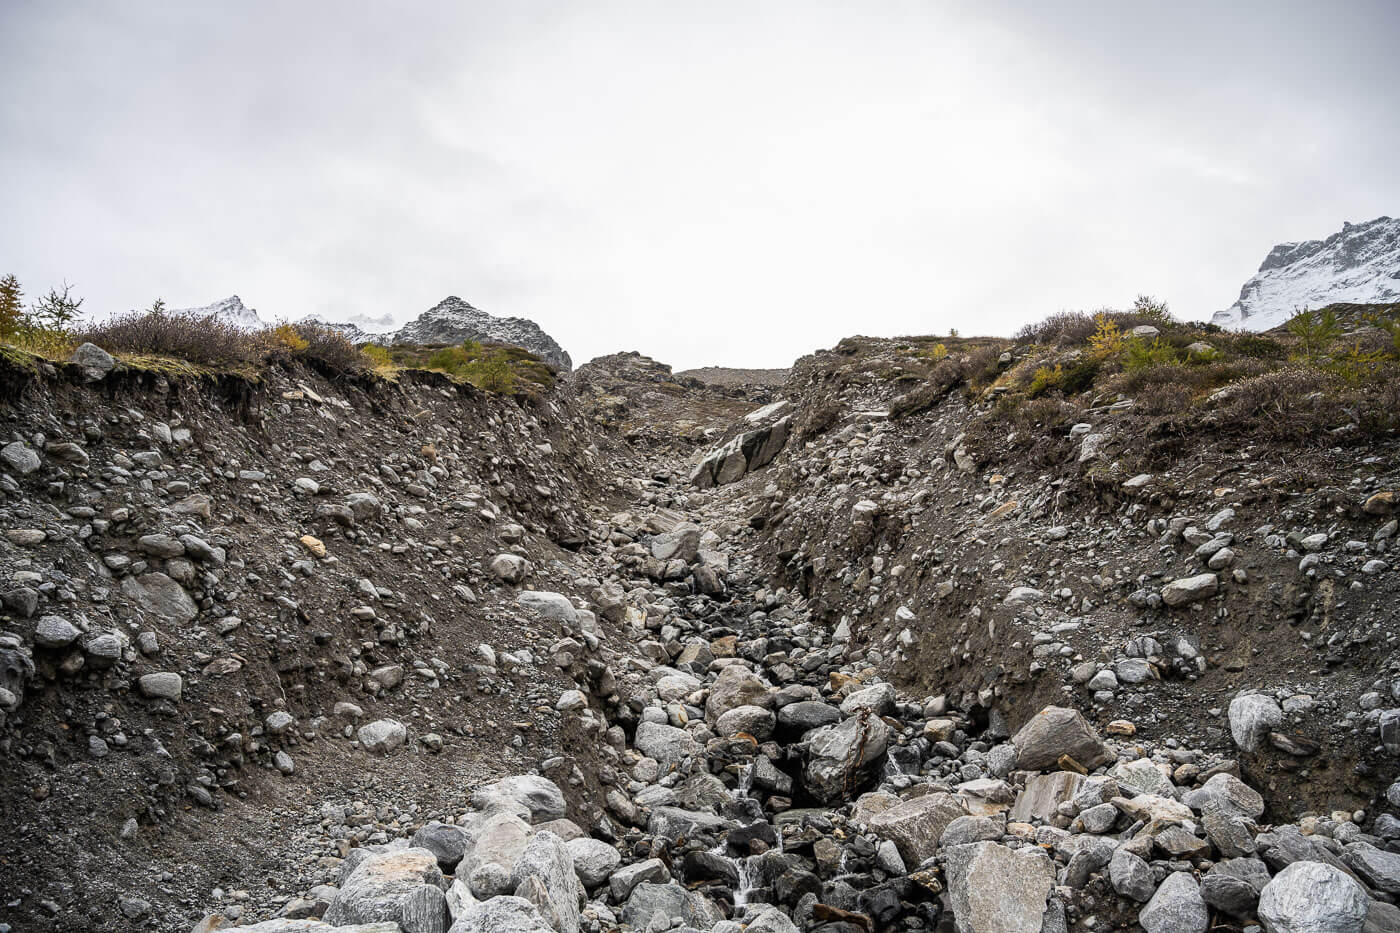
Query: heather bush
202	339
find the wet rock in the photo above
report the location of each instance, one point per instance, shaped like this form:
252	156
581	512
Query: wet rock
840	756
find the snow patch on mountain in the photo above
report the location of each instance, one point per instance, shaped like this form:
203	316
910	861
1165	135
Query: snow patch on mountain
1359	264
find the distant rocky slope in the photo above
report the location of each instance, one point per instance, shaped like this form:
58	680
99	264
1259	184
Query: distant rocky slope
1359	264
453	320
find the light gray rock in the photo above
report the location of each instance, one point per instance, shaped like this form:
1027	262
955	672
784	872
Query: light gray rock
916	825
1056	731
667	744
673	903
165	685
1311	897
403	886
680	543
55	632
20	458
382	736
1252	717
500	837
92	361
1190	589
505	914
1177	907
995	889
772	920
1377	867
1130	876
751	720
594	860
625	879
551	607
541	796
510	568
544	875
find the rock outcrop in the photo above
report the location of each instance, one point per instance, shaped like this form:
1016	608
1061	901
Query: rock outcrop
453	320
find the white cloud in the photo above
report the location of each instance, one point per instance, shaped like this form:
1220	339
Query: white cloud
730	183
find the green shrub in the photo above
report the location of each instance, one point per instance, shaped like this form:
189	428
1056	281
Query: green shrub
1315	332
1138	354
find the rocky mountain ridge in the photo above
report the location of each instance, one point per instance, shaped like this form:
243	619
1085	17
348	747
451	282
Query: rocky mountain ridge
1359	264
453	320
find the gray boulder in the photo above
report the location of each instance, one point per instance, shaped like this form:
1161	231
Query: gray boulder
541	796
625	879
504	914
995	889
92	361
680	543
161	598
667	744
1252	717
915	826
1177	907
841	757
1190	589
1312	897
673	903
382	736
1056	731
447	842
544	875
20	457
404	887
594	860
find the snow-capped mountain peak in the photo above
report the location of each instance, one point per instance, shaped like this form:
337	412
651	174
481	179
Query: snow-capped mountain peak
231	309
453	320
1360	263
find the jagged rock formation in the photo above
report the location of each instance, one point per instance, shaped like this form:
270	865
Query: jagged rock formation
453	320
1359	264
766	433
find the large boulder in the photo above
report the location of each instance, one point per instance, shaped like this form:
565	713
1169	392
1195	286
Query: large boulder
915	826
1311	897
505	914
550	607
541	796
447	842
672	902
841	758
735	686
667	744
594	860
1177	907
499	839
1057	731
680	543
743	454
994	889
404	886
544	875
92	361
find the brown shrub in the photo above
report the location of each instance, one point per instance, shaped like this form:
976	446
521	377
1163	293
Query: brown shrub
204	340
329	350
1067	328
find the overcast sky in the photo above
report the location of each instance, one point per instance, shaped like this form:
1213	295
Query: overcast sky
731	183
